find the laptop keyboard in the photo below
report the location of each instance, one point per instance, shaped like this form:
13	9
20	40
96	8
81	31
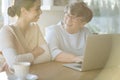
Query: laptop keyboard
75	66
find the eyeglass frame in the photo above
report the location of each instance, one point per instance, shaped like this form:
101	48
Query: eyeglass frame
72	17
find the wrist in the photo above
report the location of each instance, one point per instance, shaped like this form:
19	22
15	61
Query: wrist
77	59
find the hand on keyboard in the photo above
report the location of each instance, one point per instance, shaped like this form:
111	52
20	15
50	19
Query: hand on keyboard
78	59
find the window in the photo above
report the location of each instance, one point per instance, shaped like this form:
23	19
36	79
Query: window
1	17
106	16
0	8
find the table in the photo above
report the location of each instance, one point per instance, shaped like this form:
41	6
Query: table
56	71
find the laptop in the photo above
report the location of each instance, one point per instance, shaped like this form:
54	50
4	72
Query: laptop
96	53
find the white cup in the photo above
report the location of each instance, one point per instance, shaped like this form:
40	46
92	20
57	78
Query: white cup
21	69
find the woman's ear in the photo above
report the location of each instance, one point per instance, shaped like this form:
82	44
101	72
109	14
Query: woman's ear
23	11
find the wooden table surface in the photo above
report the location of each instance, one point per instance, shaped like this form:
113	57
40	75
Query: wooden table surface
56	71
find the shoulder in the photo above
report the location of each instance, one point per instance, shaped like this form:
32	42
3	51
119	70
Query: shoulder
6	29
34	26
55	26
52	31
6	32
52	28
86	30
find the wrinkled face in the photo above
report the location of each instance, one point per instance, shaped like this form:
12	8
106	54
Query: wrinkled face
34	12
72	22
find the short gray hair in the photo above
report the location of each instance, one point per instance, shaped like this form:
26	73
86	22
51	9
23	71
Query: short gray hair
79	9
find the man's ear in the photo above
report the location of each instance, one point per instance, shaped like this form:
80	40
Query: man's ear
84	23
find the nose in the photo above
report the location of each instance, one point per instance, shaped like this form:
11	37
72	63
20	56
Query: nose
69	20
40	11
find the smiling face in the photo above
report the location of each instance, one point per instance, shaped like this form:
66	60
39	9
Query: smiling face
34	12
76	16
31	14
72	23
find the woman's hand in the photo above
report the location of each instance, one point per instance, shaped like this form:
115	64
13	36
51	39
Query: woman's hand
37	51
6	68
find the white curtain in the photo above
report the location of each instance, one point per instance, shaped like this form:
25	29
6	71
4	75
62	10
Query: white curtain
106	16
5	5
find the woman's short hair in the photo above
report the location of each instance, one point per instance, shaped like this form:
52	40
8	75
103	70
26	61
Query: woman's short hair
18	4
79	9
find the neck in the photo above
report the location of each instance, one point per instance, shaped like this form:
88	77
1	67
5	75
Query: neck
72	30
22	24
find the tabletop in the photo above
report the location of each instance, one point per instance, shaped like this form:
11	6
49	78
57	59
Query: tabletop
56	71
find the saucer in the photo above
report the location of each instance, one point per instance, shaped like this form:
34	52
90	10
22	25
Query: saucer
31	77
28	77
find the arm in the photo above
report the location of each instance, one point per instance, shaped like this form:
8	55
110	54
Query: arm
12	56
8	48
67	57
57	54
45	56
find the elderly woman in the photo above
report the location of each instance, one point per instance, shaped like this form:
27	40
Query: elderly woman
23	41
67	39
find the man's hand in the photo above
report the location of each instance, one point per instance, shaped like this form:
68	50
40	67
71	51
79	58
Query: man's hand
78	59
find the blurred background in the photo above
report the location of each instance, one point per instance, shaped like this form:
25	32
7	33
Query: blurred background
106	18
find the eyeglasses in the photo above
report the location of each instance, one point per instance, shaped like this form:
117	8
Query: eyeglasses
72	17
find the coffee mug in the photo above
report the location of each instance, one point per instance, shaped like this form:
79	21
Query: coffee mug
21	69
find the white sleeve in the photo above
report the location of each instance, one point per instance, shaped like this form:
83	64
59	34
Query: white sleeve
12	56
52	40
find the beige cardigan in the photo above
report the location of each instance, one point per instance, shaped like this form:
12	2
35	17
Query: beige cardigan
16	47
